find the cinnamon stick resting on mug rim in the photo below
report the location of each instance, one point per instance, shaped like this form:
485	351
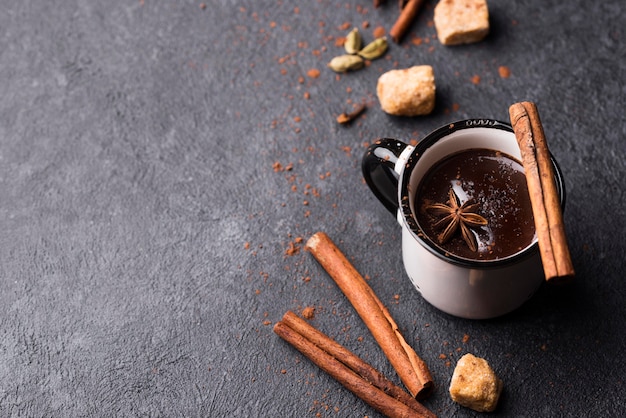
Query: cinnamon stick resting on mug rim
544	198
348	369
411	369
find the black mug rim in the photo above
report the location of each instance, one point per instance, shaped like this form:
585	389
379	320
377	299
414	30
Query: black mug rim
405	202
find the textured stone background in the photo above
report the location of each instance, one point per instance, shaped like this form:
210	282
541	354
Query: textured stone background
146	220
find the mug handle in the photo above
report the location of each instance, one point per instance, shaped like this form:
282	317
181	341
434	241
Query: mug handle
378	167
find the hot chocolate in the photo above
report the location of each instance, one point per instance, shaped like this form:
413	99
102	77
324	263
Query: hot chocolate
474	204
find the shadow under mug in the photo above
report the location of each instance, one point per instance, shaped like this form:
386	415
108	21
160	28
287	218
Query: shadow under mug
474	289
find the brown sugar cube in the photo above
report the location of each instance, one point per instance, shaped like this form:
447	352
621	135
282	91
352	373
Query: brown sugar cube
461	21
475	385
407	92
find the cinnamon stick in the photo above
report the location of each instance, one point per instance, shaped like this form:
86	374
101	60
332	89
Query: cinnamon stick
345	118
351	361
416	362
544	199
410	368
405	19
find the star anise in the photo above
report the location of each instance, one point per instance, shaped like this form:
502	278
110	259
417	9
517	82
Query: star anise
457	216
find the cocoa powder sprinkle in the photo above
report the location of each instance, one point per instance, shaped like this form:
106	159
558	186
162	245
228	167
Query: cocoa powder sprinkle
313	73
504	71
308	312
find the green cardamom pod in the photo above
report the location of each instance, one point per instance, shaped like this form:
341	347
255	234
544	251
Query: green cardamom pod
353	41
344	63
374	49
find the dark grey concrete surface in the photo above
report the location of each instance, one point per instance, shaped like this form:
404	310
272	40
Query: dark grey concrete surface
145	221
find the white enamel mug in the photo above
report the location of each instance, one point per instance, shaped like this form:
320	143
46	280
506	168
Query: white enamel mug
474	289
